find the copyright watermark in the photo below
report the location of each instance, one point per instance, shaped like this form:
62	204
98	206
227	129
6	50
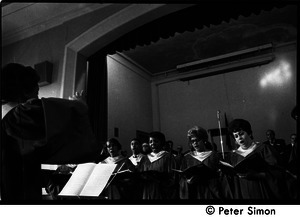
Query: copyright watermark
210	210
239	211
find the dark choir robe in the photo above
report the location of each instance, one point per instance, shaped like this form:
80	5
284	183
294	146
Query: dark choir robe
159	179
53	131
278	148
137	183
290	162
291	167
265	181
278	145
121	183
204	183
178	160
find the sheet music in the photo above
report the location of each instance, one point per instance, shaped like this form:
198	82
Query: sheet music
78	179
98	180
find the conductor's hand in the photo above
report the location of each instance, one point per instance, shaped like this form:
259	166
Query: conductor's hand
64	169
79	96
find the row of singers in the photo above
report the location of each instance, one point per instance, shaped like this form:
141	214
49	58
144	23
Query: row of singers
249	172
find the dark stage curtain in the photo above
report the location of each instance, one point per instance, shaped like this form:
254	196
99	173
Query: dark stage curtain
189	19
97	95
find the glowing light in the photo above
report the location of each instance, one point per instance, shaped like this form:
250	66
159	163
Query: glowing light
278	76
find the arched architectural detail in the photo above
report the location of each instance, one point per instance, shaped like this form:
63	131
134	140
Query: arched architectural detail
103	33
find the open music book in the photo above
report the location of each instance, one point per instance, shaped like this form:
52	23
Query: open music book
254	163
88	179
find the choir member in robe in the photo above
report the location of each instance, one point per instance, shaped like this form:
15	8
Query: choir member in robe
290	162
156	167
291	166
136	148
146	149
257	175
200	178
276	145
118	187
136	186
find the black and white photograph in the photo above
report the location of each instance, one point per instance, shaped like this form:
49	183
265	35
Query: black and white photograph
151	103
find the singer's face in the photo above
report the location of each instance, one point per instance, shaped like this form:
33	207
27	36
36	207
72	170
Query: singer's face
243	139
270	135
293	138
112	149
155	144
197	143
135	146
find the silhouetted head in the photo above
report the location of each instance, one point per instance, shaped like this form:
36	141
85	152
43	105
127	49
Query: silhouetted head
18	83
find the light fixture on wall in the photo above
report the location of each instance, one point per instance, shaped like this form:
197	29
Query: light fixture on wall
44	70
228	62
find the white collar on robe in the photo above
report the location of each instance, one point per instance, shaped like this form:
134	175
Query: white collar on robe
201	156
136	159
155	156
113	160
7	107
245	152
